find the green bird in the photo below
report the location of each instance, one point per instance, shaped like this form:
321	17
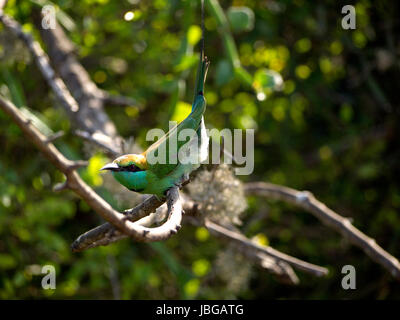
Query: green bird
137	173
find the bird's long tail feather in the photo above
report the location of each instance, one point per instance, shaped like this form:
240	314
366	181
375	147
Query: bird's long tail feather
203	63
201	76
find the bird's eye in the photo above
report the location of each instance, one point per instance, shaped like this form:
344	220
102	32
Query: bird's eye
132	168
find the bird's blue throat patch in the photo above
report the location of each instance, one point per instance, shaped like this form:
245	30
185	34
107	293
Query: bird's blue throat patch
135	181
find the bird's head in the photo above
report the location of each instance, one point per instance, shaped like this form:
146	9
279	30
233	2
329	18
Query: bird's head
127	163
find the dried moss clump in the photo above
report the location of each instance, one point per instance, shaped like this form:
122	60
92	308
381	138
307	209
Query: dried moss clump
220	194
234	270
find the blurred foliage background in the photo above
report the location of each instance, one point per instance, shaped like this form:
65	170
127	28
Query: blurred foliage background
323	102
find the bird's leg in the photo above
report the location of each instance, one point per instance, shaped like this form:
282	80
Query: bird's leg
182	181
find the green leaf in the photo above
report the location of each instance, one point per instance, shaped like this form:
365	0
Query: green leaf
241	18
194	35
186	63
224	72
201	267
267	79
182	110
15	88
7	261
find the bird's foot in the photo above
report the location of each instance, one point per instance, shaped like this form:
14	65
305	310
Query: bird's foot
185	179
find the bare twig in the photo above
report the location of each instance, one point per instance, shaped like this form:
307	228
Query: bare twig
282	270
55	136
79	164
308	202
99	140
76	184
230	235
117	100
60	187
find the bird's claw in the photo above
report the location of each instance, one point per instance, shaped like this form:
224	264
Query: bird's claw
178	185
182	181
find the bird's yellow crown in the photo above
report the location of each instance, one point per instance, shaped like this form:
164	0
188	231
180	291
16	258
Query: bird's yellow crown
128	159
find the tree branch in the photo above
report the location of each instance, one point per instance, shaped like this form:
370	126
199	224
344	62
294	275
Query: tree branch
100	140
282	270
55	136
90	98
86	112
42	61
117	100
107	234
98	204
240	239
2	4
309	203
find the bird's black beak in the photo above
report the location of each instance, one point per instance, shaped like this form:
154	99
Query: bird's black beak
110	166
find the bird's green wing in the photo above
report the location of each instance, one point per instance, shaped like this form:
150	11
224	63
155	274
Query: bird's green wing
169	145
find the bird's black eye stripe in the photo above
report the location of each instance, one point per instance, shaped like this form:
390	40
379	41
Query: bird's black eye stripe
132	168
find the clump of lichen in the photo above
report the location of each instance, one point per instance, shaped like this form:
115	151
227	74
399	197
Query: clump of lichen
220	194
232	268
